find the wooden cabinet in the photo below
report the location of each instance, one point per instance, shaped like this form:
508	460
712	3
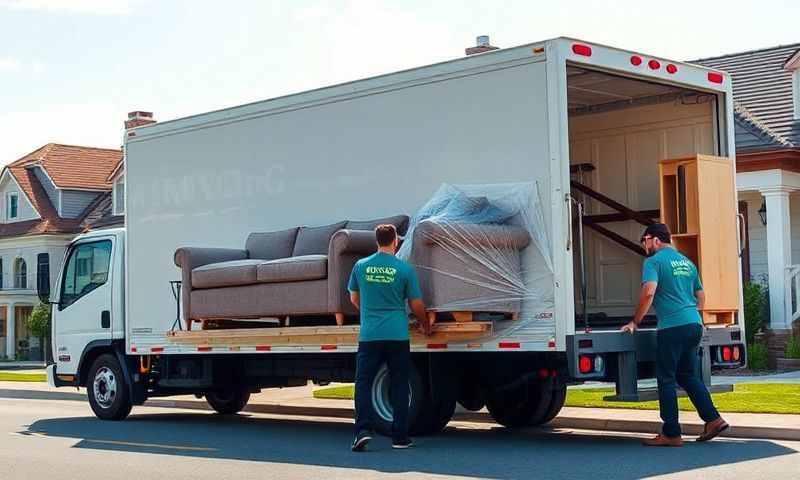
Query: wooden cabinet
698	203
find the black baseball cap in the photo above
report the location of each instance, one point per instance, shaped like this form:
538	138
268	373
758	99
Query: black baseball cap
659	231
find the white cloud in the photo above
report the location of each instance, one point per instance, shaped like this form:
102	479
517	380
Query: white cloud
98	7
9	64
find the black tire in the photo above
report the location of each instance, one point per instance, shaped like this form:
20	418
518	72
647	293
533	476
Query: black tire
380	400
228	402
108	392
471	396
556	403
437	412
522	406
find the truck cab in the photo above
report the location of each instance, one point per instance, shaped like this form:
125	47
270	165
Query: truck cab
87	305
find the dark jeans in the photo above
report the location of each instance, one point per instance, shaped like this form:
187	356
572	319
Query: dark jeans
371	355
677	361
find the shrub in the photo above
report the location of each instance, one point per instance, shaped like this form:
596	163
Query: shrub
754	303
793	347
757	356
38	324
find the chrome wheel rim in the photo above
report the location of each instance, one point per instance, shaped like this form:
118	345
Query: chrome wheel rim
105	387
381	395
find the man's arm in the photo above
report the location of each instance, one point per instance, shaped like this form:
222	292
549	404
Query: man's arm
646	295
355	300
701	299
418	309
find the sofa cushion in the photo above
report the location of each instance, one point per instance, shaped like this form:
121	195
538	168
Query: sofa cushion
315	240
225	274
271	245
293	269
400	222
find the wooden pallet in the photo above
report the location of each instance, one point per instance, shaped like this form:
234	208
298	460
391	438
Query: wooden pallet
322	335
459	317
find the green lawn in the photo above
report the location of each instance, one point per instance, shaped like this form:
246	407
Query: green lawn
22	377
745	398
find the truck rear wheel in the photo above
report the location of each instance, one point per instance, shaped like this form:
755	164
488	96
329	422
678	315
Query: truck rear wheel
556	403
107	390
522	406
228	402
382	412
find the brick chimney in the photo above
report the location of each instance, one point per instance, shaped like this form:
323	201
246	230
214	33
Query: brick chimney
482	45
138	118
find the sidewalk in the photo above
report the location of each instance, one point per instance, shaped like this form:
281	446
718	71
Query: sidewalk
37	366
299	401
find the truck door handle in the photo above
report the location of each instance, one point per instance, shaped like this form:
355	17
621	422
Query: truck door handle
105	319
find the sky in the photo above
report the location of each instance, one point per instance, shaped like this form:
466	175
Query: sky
70	70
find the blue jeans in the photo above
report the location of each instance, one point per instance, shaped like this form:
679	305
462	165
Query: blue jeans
678	362
370	357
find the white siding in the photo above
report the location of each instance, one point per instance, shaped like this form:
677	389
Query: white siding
25	210
47	185
29	254
74	202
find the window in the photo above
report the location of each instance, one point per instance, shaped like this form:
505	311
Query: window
1	273
796	92
42	266
118	198
20	273
12	205
87	269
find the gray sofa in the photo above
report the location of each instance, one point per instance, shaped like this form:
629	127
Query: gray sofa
298	271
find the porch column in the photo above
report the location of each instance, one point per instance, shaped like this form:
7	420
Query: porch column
779	253
11	341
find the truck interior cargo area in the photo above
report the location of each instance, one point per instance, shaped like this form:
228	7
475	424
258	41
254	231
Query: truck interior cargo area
620	130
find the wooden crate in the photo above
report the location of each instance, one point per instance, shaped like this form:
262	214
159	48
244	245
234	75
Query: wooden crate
698	203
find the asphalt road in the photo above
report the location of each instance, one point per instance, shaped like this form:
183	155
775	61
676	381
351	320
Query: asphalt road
60	439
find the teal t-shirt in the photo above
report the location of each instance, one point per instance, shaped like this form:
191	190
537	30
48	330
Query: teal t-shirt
677	279
383	283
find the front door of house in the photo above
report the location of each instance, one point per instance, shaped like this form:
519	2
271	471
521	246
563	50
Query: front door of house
83	312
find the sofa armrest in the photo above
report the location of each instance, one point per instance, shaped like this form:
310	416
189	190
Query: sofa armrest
345	249
470	234
189	258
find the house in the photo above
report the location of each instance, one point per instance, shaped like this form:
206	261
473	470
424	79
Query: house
766	93
46	198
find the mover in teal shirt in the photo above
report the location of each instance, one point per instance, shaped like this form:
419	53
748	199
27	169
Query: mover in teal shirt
380	286
670	283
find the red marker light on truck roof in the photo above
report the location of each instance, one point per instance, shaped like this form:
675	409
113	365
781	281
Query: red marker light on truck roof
580	49
672	69
714	77
636	60
654	64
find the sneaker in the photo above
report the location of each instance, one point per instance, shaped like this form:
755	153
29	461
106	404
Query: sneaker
361	441
401	444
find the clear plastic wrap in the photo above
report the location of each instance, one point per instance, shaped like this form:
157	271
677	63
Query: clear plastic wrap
483	249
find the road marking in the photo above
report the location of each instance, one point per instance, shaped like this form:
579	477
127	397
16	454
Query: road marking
151	445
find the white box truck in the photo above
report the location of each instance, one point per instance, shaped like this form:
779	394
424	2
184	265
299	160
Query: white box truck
550	113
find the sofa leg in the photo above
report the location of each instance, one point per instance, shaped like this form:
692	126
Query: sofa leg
339	319
462	316
515	316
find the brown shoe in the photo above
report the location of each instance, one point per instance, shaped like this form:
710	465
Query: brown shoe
713	429
662	441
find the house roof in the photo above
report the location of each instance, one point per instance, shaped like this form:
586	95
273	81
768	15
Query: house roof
70	167
75	167
762	87
99	214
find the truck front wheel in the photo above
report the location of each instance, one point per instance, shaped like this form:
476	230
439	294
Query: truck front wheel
228	402
108	392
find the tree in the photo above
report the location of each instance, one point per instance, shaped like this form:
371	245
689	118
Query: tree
38	324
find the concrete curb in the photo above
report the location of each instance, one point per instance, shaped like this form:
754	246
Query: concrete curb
631	426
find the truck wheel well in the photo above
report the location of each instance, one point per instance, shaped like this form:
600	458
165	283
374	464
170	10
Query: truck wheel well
90	354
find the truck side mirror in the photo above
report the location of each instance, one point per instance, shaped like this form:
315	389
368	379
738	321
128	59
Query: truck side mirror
43	282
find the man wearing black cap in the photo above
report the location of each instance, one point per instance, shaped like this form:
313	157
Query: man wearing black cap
670	283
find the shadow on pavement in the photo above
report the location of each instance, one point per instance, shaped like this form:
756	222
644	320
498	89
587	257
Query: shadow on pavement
492	453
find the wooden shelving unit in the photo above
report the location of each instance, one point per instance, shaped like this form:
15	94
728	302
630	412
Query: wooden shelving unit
698	204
